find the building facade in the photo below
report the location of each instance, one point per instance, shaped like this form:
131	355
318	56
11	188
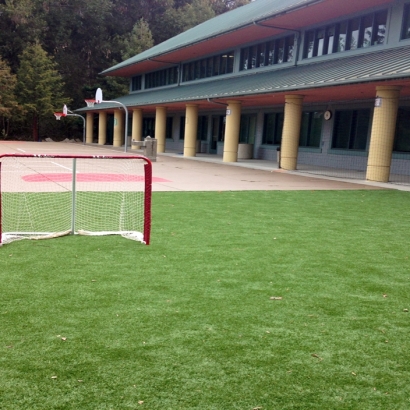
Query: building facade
326	82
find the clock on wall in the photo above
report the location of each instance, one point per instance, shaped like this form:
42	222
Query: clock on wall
327	115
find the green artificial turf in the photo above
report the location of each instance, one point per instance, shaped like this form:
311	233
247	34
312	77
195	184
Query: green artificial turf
189	322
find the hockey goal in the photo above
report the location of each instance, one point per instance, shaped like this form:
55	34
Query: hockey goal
47	196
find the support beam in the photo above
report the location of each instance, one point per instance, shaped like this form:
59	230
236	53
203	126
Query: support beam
232	128
191	130
160	127
102	127
383	131
291	131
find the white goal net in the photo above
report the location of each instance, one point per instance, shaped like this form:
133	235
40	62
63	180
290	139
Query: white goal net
46	196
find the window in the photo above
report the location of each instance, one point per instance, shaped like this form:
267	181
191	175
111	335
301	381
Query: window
402	137
268	53
311	129
136	83
148	127
182	128
168	128
272	128
351	129
161	78
247	129
359	32
208	67
405	31
202	128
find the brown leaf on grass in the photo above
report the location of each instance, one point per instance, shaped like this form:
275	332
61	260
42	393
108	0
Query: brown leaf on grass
276	298
63	339
317	356
141	402
384	295
257	408
405	310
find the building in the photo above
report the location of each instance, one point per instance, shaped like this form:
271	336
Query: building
327	81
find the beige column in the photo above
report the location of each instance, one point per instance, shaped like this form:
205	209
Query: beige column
136	133
191	130
383	131
232	127
118	139
89	127
291	131
160	127
102	127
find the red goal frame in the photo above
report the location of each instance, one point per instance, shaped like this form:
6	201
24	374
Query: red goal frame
147	182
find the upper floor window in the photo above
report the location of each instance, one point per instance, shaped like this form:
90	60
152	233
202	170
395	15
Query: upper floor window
405	30
268	53
208	67
402	137
161	78
359	32
136	83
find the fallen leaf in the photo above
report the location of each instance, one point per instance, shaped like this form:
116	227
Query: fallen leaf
354	374
275	298
317	356
54	377
384	295
79	381
63	339
405	310
141	402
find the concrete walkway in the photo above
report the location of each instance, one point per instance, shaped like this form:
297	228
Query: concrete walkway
206	172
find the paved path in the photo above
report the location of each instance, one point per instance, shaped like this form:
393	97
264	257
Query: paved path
204	173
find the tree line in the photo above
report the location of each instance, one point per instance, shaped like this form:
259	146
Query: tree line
52	51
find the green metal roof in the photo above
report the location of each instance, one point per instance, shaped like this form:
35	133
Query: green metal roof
224	23
387	64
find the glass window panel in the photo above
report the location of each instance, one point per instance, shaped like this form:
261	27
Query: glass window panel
261	55
341	45
230	62
182	128
406	22
224	64
310	41
367	28
168	128
281	50
341	130
210	67
203	68
304	129
197	70
244	58
278	128
315	132
360	128
217	62
271	53
354	26
253	56
320	41
330	34
268	129
379	36
402	137
290	43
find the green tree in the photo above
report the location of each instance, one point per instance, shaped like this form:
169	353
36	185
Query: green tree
8	101
39	86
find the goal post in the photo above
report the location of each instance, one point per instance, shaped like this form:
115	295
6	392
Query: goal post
47	196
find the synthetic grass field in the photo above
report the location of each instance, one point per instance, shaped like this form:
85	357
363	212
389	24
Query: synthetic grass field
189	322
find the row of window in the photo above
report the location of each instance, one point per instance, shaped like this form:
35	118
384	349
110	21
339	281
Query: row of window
208	67
359	32
268	53
350	130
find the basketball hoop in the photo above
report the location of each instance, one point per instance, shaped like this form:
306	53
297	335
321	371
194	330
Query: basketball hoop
90	103
58	115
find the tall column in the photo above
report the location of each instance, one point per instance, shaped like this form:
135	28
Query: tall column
89	127
160	127
383	131
191	130
102	127
136	133
118	128
291	131
232	128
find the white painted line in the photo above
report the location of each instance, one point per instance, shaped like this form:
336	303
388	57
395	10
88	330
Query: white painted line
62	166
22	150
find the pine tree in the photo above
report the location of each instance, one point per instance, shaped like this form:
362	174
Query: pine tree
39	86
8	102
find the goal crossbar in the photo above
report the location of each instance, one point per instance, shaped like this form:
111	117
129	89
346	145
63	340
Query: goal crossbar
50	195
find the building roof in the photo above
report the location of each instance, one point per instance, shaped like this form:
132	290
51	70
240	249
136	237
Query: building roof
377	66
256	20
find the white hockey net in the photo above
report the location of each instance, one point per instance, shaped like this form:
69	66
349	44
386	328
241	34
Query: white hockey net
49	196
